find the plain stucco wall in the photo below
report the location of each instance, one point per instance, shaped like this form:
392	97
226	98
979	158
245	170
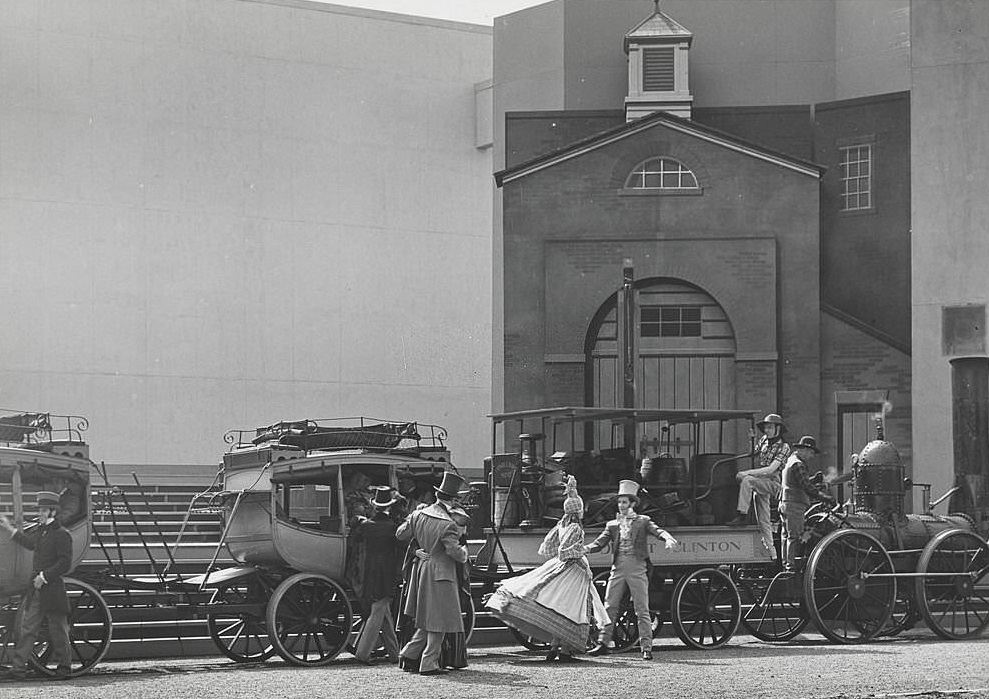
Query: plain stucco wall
229	213
950	166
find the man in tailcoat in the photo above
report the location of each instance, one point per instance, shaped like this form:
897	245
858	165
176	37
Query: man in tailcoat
628	535
45	598
432	599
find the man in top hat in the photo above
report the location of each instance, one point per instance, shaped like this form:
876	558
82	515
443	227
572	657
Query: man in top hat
628	534
45	598
796	496
378	575
432	599
763	482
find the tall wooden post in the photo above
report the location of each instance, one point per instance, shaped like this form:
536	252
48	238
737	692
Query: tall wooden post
628	351
970	428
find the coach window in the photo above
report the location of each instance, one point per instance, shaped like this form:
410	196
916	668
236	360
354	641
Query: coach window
661	176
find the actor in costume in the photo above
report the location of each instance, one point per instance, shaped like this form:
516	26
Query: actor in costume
46	598
432	599
796	496
556	602
763	482
628	535
378	579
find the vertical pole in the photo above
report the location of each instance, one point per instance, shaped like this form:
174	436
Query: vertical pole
627	350
970	433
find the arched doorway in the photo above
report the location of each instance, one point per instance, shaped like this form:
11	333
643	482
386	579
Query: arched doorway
686	356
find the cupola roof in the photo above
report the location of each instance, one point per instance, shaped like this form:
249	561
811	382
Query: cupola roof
658	27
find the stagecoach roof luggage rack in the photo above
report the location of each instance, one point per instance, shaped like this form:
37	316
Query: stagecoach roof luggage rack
334	434
40	431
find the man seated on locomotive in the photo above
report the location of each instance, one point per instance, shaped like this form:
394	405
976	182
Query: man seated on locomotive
795	498
763	482
45	599
628	534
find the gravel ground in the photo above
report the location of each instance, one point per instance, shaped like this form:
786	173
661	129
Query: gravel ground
914	666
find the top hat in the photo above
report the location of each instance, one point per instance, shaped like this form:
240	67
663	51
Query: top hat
772	419
384	496
452	485
573	504
47	498
629	488
807	442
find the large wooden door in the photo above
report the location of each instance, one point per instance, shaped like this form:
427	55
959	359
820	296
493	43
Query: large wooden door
686	360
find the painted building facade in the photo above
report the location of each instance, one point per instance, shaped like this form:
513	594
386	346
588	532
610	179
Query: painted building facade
228	213
818	84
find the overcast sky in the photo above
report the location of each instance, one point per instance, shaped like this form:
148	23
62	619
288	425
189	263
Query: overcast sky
474	11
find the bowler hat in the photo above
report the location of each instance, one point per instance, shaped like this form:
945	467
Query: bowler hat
807	442
452	485
384	496
47	498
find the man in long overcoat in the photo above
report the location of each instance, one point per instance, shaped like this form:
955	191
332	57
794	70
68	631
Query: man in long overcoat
432	599
45	598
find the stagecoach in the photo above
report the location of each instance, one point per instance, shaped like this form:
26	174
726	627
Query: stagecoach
41	451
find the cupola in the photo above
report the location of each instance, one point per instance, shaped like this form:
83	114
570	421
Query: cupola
658	51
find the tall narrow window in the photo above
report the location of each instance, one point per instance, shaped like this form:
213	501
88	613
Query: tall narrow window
661	173
657	69
856	177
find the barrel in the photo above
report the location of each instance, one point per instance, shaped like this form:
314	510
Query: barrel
506	507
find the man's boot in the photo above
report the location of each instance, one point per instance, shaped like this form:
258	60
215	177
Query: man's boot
741	519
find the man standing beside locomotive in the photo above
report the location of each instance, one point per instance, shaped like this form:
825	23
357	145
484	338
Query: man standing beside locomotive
763	482
796	496
45	598
628	534
432	599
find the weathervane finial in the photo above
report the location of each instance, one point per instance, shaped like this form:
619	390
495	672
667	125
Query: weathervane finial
655	6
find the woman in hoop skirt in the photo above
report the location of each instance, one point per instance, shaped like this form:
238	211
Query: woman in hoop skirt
556	602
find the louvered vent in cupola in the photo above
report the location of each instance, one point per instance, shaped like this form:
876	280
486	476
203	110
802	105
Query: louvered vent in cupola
657	70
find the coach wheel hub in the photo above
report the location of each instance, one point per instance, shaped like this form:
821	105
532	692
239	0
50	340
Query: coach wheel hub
856	587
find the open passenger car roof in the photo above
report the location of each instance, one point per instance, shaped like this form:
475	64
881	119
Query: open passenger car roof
577	414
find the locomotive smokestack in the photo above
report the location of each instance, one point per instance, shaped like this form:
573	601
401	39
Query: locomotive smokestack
970	432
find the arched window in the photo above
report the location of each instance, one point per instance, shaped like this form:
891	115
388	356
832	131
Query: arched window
661	173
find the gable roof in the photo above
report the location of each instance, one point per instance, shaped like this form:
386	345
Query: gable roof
659	119
658	27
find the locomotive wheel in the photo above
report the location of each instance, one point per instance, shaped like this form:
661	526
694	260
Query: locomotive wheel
90	629
241	635
309	619
706	608
904	615
956	605
774	606
847	605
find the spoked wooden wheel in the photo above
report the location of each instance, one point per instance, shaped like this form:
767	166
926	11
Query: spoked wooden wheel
773	605
953	594
90	629
846	602
309	619
239	631
706	608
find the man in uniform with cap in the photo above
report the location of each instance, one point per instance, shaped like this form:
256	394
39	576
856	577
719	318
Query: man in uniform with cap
763	482
432	599
796	497
45	598
628	535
